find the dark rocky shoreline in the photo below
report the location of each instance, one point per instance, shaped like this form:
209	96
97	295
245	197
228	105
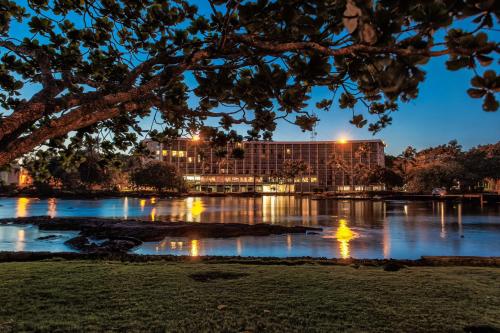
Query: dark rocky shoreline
427	261
122	235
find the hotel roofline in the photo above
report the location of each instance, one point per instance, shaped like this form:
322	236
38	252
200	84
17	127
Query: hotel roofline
294	142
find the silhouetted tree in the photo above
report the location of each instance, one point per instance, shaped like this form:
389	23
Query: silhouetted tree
290	170
100	66
158	175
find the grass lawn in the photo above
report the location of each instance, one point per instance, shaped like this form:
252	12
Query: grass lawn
60	296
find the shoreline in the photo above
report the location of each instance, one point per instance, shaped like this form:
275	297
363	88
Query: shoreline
424	261
473	198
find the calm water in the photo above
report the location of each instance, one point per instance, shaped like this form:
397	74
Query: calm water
360	229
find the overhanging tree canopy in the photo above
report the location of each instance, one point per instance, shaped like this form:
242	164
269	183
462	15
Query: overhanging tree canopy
104	64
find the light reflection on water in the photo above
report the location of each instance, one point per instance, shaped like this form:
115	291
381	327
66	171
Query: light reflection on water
362	229
25	238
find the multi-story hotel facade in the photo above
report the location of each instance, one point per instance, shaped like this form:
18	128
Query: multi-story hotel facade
330	165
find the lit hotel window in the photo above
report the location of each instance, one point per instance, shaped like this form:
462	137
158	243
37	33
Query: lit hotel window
164	152
182	153
174	153
157	152
190	159
288	151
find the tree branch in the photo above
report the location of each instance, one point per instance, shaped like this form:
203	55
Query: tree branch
347	50
77	119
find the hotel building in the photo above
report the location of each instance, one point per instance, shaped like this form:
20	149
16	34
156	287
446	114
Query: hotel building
257	167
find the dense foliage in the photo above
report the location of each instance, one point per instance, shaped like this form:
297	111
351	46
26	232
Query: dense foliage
448	166
291	170
99	67
158	175
82	168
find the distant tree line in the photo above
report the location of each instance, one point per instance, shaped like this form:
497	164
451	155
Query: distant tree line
447	166
86	166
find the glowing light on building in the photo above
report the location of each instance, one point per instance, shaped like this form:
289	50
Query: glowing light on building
23	179
344	235
142	203
153	200
342	138
22	207
195	137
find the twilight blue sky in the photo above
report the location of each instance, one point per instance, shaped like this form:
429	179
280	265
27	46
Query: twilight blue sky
442	112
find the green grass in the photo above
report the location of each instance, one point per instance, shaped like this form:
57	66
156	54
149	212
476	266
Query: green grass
60	296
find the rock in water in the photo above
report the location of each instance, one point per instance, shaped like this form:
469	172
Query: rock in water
49	237
78	243
116	245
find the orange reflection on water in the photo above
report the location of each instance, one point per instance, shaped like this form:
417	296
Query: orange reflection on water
344	235
194	209
197	207
125	208
442	234
52	206
194	248
142	203
153	214
289	242
387	235
239	246
22	207
20	240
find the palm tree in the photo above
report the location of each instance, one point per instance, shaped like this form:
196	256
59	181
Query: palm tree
291	169
362	151
337	163
221	156
408	156
360	169
237	154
